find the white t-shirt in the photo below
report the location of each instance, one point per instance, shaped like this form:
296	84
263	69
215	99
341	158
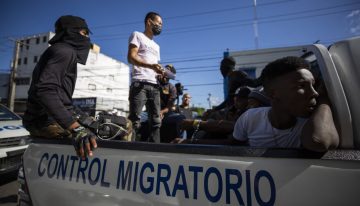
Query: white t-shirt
254	126
149	51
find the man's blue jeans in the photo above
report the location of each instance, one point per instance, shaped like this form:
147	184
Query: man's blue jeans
142	93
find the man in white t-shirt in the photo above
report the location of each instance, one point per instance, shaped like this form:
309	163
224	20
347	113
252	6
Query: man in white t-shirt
298	116
144	55
255	128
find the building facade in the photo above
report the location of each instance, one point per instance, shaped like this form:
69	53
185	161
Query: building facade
254	61
103	77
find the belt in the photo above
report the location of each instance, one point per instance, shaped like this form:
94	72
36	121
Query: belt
145	83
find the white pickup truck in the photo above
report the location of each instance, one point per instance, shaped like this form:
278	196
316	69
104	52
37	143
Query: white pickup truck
135	173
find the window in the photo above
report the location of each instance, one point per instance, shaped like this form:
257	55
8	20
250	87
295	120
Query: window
21	45
25	60
19	61
44	39
92	87
27	43
23	81
35	59
38	40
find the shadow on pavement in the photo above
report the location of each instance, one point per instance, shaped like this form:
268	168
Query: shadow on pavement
8	177
8	199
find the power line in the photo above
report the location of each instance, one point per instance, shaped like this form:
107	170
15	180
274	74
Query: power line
198	85
248	21
192	60
125	35
213	26
228	9
194	14
194	56
197	67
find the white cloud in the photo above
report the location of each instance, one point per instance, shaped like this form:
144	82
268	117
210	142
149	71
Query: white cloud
354	21
353	13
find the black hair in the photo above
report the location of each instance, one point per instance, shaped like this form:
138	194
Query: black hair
227	64
228	61
281	67
151	15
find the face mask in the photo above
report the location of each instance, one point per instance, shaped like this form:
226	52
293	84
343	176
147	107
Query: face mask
156	29
80	43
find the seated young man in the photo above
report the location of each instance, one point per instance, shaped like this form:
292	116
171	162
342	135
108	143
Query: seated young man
298	116
219	124
184	108
170	123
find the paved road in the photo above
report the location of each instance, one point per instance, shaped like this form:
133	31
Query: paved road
8	189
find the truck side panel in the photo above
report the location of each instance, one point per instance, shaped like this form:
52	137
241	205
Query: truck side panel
132	177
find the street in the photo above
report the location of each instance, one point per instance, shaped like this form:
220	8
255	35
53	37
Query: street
8	189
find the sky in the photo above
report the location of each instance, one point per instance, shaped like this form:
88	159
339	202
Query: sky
195	33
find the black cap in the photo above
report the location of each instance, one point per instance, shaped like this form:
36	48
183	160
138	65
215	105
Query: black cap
242	92
70	22
171	68
260	96
67	22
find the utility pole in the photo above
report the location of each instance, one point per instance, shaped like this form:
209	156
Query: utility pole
209	100
255	27
12	82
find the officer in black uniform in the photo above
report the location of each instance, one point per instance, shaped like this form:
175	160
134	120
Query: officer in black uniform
50	113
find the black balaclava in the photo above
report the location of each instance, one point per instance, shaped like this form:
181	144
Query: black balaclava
67	30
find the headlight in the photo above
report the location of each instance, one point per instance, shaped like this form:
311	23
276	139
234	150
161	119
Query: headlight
25	140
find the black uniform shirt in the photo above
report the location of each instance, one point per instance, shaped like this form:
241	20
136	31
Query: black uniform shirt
52	87
167	95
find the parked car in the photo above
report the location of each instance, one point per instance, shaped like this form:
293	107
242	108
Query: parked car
14	139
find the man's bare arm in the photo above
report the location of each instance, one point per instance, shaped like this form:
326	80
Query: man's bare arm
133	58
319	133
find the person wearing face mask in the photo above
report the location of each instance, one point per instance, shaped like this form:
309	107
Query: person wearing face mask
50	113
171	121
144	55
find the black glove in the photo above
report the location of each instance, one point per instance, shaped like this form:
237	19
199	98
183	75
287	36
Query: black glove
81	138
